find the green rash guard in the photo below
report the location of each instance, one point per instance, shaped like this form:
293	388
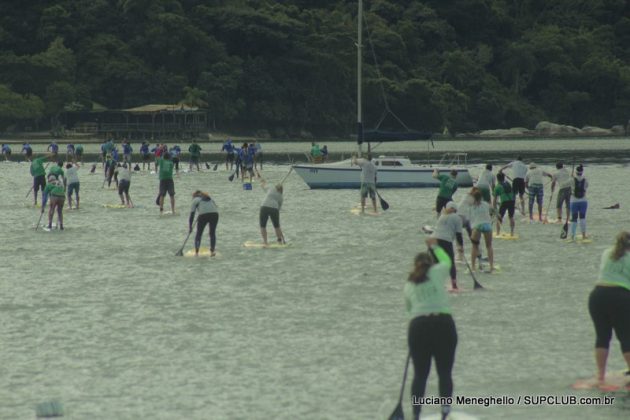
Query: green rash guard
504	196
448	186
56	171
166	169
54	189
430	296
195	150
614	273
37	167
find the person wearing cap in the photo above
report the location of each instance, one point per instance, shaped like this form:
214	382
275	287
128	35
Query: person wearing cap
579	203
208	215
449	227
448	186
56	192
368	180
72	176
563	179
270	209
535	188
486	183
519	171
27	151
505	196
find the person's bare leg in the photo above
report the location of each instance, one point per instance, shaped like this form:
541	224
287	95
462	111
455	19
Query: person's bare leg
173	204
374	205
601	356
263	233
161	203
60	216
487	236
279	235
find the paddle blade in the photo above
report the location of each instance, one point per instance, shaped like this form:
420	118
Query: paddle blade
180	253
207	165
216	165
384	204
397	414
231	177
565	231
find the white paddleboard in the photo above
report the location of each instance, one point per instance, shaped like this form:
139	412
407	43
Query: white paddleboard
506	236
259	245
358	212
203	252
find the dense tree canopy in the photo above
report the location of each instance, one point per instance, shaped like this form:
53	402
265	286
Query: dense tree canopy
290	66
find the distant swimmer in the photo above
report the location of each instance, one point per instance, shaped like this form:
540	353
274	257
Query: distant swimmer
448	186
195	153
208	215
609	301
124	182
536	190
579	203
27	151
6	152
519	171
563	179
167	185
73	183
368	180
270	209
56	193
449	228
38	172
431	334
504	196
228	148
486	183
481	222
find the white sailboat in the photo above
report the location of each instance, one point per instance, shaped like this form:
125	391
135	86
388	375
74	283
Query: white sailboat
393	172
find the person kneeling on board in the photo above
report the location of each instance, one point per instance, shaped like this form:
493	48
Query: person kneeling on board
448	228
208	215
609	301
270	208
432	333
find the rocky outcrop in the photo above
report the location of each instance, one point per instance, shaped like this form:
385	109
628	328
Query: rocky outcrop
511	132
547	128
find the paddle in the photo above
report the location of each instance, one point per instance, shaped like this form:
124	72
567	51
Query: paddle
565	227
180	253
477	285
216	165
398	414
207	165
545	219
231	177
287	175
40	218
384	204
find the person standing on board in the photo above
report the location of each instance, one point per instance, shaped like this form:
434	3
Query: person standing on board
609	301
486	183
431	333
535	189
481	222
124	182
270	209
503	193
448	186
195	153
78	153
53	149
27	151
6	152
74	185
145	154
258	156
175	152
208	215
368	180
579	203
127	150
56	192
165	167
70	152
519	170
449	228
38	172
228	148
563	178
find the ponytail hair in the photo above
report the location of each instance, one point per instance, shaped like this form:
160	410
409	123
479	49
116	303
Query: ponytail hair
476	195
622	244
421	265
201	194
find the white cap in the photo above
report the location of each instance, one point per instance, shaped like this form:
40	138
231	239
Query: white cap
532	165
451	205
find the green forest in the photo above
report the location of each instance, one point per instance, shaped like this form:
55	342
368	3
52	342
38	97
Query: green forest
289	66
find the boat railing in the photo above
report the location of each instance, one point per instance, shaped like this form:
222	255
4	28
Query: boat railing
454	159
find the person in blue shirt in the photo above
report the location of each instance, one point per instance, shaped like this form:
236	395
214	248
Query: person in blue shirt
324	153
145	154
258	154
53	148
247	164
175	151
228	148
238	162
69	152
27	151
127	149
6	151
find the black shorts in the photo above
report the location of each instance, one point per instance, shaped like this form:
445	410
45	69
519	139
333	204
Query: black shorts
229	157
123	186
39	181
507	206
194	159
266	213
518	186
146	157
440	203
608	307
29	153
167	185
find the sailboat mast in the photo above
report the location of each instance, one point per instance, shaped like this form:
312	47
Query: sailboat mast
359	76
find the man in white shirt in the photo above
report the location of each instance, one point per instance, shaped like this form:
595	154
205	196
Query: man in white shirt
563	178
519	170
368	180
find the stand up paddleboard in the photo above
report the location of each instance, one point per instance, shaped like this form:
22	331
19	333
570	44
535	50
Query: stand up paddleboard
506	236
579	241
168	213
115	206
427	229
203	252
615	381
259	245
357	212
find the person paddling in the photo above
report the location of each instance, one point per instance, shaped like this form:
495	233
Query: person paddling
503	193
270	209
481	222
165	166
56	192
72	175
449	228
486	183
432	333
609	301
448	186
124	182
535	189
563	179
208	215
368	180
519	171
579	203
38	172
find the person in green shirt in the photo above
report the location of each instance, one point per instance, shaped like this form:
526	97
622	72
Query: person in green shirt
195	153
38	171
165	174
432	333
609	303
503	192
448	186
57	171
78	151
56	192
